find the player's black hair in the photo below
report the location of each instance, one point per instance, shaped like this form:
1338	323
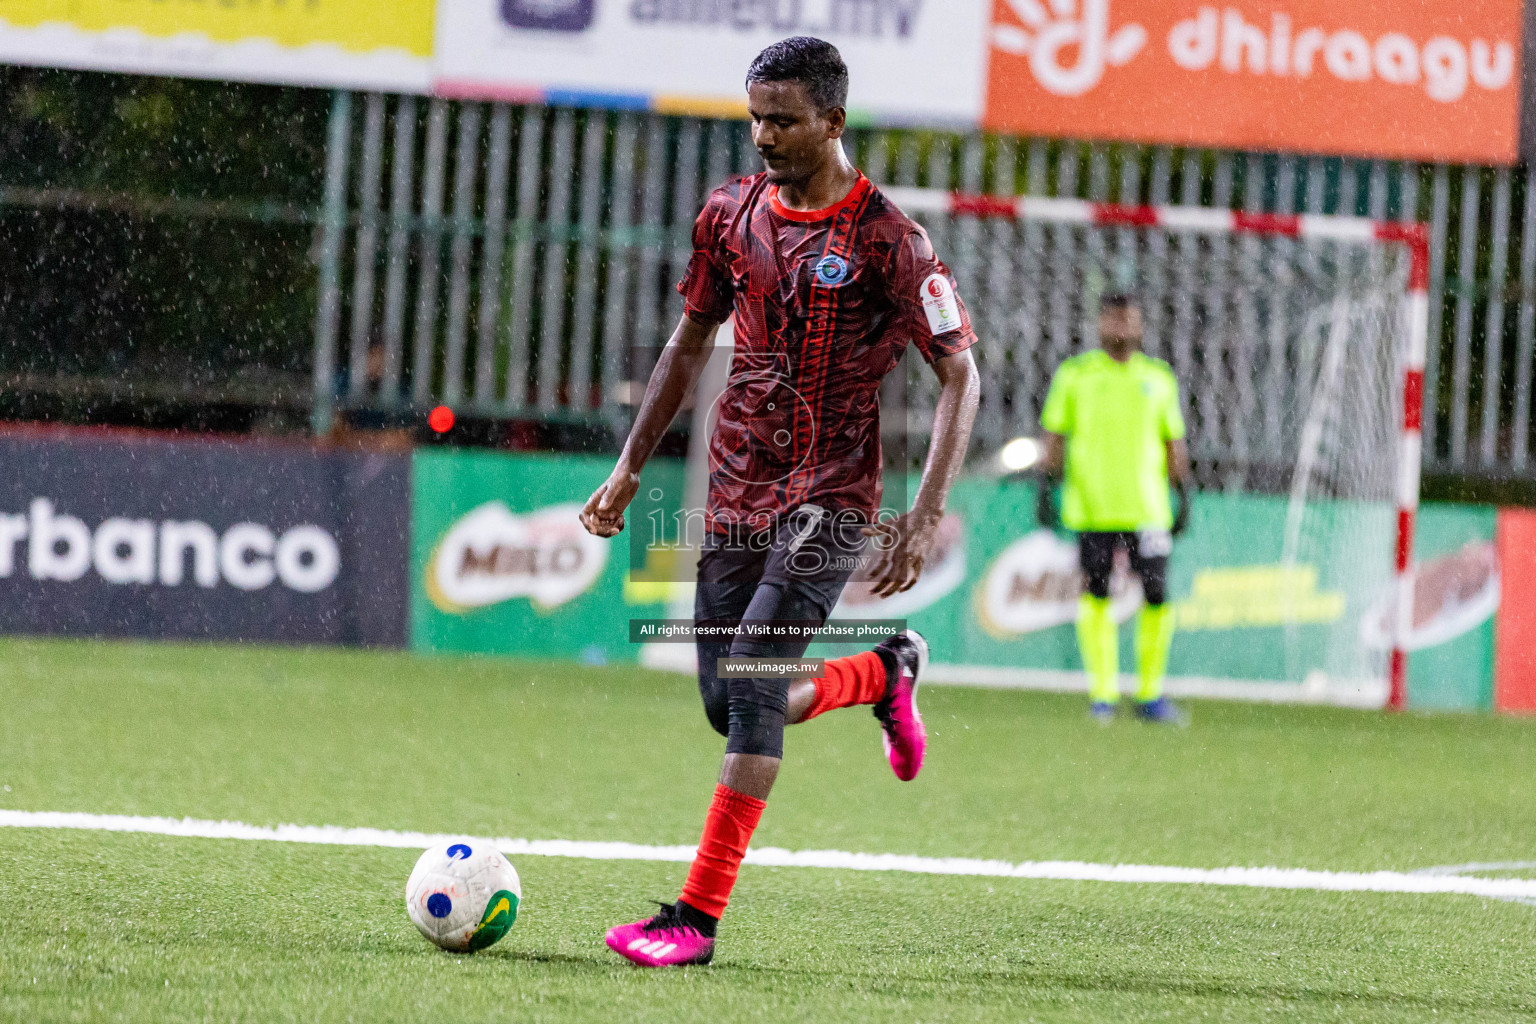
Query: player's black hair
814	63
1117	300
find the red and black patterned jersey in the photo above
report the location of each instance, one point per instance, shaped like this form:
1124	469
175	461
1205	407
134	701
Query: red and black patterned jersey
825	303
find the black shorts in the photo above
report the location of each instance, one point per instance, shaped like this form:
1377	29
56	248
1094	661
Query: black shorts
794	572
1148	551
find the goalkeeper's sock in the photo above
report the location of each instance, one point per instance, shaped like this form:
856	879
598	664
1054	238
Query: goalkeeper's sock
1098	640
1154	635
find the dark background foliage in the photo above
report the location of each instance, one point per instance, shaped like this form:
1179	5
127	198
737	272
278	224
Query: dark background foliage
155	236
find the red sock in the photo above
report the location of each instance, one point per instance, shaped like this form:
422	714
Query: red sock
859	679
732	819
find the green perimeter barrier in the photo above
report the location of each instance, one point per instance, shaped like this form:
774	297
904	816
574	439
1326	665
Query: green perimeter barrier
500	565
999	596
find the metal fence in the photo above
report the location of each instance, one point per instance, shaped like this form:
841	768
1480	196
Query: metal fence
518	262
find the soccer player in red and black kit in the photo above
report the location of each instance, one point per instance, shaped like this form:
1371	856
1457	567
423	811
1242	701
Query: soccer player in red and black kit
828	283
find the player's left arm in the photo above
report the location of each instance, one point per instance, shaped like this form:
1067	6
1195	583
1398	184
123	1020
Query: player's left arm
1180	476
909	538
1056	420
1179	472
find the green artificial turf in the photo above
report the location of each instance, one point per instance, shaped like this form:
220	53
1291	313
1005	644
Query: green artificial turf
100	926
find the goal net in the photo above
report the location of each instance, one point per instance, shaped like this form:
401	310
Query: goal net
1297	342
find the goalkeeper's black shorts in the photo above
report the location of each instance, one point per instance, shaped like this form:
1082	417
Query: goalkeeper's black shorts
1148	551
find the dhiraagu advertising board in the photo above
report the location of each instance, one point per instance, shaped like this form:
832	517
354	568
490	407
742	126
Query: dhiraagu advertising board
500	563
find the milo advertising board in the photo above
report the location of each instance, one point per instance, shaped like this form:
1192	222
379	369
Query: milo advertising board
501	565
1267	606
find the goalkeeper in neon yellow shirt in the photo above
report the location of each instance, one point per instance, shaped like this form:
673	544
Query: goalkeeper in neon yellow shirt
1114	427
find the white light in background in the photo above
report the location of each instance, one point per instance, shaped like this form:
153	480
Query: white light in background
1019	454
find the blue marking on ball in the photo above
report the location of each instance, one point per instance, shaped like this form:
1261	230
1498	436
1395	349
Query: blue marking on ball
439	905
458	851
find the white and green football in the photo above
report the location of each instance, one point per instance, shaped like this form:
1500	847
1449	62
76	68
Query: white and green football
463	895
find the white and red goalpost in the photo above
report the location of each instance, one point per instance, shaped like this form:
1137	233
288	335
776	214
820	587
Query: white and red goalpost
1407	242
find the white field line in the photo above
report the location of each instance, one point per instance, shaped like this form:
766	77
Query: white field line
1078	871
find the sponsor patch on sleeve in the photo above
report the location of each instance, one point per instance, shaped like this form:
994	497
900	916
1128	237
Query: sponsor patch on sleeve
940	304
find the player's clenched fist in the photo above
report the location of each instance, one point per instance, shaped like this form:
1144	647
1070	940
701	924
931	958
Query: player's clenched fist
603	515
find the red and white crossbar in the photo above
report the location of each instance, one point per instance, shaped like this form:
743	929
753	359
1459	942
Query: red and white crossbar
1205	220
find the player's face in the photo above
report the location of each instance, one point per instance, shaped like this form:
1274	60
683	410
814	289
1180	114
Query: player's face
790	133
1120	327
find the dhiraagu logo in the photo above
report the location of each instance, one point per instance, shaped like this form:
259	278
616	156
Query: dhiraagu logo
499	915
1068	44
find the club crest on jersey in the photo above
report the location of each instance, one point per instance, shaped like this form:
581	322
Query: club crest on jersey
831	271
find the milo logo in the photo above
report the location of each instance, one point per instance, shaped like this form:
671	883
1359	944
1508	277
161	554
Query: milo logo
1034	584
493	554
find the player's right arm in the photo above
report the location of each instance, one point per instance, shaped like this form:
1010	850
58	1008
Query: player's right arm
708	289
676	373
1055	460
1056	420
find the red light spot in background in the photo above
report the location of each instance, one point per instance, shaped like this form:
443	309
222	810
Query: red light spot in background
440	419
